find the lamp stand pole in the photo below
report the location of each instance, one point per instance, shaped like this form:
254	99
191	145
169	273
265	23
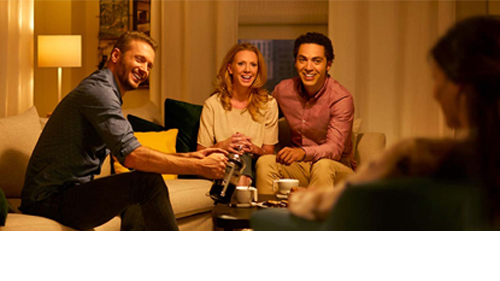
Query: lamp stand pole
59	83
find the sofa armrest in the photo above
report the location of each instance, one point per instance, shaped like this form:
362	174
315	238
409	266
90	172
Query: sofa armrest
368	146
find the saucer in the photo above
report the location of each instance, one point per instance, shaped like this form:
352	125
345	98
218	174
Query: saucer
242	205
282	196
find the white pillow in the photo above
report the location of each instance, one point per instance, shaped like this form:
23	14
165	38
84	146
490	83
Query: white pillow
18	137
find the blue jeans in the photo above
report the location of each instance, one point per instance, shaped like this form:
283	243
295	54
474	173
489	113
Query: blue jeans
141	198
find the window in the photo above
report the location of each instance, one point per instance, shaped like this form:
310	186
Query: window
273	26
278	55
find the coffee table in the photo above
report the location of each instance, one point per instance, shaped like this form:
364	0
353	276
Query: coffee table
232	218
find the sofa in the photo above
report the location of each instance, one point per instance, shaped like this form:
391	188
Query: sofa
191	205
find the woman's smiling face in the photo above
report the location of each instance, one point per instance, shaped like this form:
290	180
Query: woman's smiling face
244	68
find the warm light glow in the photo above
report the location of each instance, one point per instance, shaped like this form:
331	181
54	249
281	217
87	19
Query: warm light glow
59	51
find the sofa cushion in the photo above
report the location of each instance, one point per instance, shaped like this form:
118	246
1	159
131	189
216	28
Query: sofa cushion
4	209
18	137
18	221
185	117
111	225
161	141
22	222
148	111
189	197
142	125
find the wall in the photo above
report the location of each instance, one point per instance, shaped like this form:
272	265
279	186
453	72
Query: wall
77	18
278	21
51	18
467	9
82	17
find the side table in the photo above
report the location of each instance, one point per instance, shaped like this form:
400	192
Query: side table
232	218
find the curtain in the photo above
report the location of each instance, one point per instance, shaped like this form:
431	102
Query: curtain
16	56
193	38
381	50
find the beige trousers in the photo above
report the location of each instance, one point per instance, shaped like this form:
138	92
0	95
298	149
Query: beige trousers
322	174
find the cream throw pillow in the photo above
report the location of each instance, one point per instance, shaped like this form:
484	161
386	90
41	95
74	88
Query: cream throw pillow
18	137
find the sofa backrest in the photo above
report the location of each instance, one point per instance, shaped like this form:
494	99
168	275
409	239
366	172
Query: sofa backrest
18	137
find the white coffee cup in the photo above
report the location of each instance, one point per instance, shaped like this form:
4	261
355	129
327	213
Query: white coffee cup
245	194
284	185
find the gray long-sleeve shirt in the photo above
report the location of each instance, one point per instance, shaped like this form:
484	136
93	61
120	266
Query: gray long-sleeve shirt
86	125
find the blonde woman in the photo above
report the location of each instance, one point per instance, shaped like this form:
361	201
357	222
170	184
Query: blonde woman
240	113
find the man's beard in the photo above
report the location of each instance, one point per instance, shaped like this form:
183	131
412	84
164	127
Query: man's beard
123	76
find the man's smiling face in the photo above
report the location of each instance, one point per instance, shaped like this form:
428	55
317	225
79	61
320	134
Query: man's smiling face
135	65
312	67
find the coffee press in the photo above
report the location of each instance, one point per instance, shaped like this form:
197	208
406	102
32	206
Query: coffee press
223	189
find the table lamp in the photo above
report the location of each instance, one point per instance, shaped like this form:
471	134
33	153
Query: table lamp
59	51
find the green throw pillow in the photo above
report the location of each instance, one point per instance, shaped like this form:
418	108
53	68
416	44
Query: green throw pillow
142	125
4	209
185	117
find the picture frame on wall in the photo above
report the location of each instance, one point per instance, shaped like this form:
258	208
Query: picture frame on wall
114	18
141	16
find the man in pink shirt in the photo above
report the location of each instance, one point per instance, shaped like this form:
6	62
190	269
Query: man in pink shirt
320	113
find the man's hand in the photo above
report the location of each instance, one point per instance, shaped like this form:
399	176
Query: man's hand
288	155
205	152
232	143
213	166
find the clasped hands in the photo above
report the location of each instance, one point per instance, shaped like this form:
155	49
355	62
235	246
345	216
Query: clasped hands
237	141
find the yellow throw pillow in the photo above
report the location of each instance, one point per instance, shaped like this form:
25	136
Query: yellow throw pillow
163	141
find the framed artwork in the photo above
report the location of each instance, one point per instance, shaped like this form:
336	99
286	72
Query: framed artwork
114	18
141	16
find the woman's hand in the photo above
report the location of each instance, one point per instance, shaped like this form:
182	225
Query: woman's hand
235	141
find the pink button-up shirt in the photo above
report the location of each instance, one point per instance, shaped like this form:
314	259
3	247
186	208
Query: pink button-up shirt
322	124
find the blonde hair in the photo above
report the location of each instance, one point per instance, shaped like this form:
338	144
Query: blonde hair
224	84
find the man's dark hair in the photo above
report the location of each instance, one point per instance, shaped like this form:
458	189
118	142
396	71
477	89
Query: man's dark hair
123	43
315	38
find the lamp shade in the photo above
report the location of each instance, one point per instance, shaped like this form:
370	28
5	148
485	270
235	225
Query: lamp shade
59	51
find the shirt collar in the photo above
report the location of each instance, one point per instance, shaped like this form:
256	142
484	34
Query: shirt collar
304	94
111	78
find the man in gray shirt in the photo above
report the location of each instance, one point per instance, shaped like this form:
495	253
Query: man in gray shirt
85	127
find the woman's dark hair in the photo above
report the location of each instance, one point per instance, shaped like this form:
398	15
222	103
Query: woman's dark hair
314	38
469	55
